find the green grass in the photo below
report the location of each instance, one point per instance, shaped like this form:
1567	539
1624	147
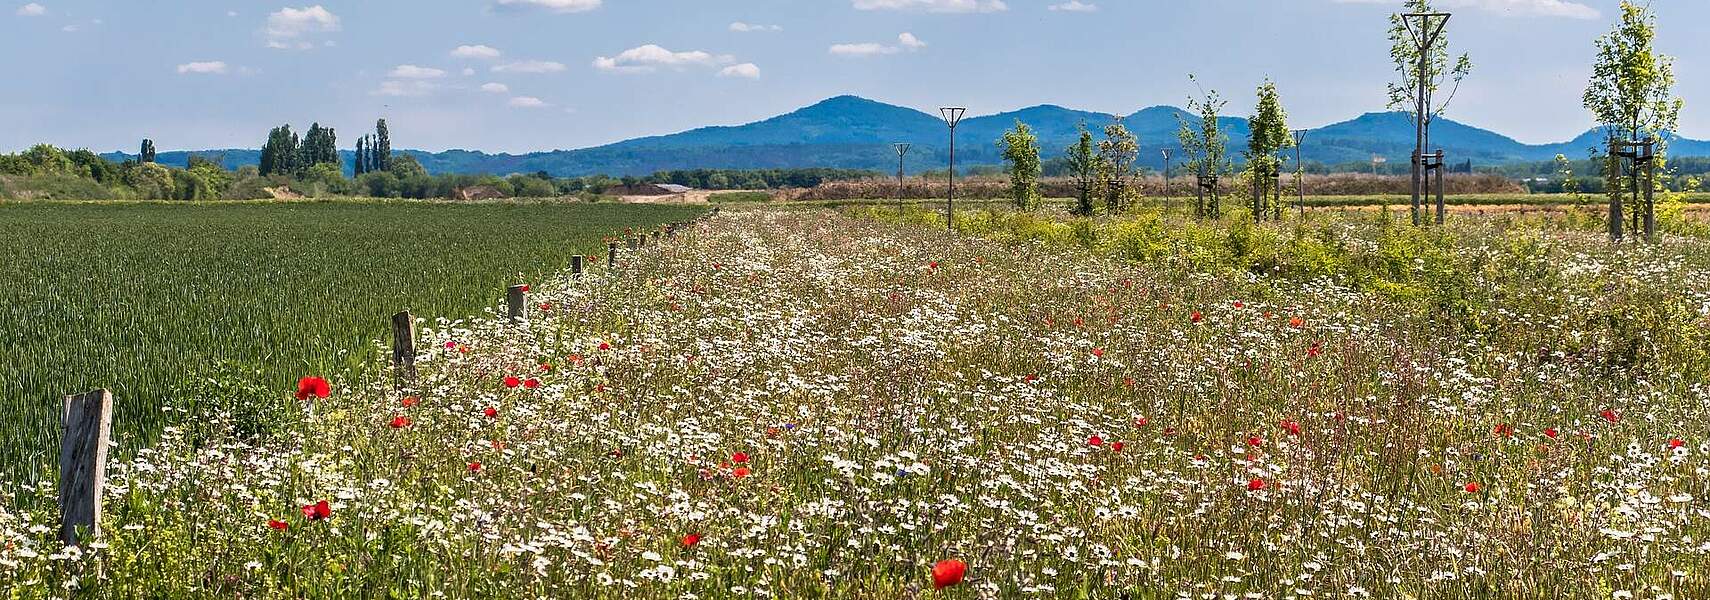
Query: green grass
164	302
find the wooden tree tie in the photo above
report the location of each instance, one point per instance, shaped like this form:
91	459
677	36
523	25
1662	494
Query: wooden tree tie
88	423
515	297
404	347
611	255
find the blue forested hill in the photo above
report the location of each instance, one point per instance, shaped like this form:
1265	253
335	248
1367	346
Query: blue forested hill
854	132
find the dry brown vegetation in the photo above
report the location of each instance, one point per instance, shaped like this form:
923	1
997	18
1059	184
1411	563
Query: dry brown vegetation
1340	184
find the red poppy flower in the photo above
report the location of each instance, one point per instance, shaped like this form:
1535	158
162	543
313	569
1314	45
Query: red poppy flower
492	413
409	401
474	466
1473	487
525	287
1079	322
1098	352
546	367
740	472
1291	426
1609	415
1255	441
947	573
1095	441
312	386
690	540
739	458
1030	378
1239	304
546	306
399	422
1296	322
277	525
1676	443
1128	381
512	382
1116	446
1314	350
932	265
1196	317
1255	484
1551	433
1504	430
450	345
605	346
531	383
1141	422
317	511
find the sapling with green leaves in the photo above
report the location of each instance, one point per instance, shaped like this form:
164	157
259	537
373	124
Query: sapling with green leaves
1021	155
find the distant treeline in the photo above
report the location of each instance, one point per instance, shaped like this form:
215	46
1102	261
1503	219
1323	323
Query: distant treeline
298	168
757	179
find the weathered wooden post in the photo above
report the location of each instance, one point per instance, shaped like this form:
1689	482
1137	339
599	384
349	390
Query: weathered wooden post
1442	209
611	255
404	348
576	265
514	299
88	423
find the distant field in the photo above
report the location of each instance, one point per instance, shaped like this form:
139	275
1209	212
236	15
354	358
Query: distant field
159	301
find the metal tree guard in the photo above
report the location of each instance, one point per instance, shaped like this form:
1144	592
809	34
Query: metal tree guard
1300	170
1634	156
1425	35
952	116
902	150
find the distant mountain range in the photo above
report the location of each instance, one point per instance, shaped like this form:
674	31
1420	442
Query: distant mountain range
857	133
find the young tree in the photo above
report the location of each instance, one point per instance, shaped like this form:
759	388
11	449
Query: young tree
1117	153
1631	92
146	154
1269	136
1404	51
1084	167
1021	150
1205	148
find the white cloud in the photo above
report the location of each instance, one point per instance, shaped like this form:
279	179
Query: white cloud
415	72
231	13
652	56
530	66
212	67
744	71
1512	8
863	49
905	41
741	27
405	88
937	6
480	51
31	10
468	71
287	27
1075	6
557	6
495	88
527	102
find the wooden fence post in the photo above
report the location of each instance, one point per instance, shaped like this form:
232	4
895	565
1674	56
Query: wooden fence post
611	255
514	299
88	423
576	265
404	348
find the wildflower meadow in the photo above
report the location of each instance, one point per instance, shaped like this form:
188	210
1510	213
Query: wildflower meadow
853	404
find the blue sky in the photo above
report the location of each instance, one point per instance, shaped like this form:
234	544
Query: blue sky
522	75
